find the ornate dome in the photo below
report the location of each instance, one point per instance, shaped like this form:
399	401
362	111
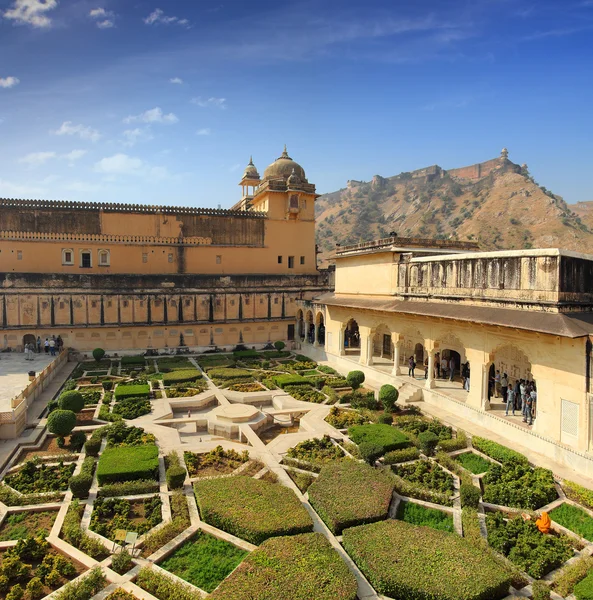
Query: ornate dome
283	167
250	170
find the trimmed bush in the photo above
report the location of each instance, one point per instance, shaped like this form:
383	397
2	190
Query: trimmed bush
351	493
61	422
470	495
128	488
132	391
389	438
385	419
128	464
355	379
181	376
388	396
132	408
251	509
175	477
370	452
71	400
302	566
498	452
289	379
81	484
98	354
279	345
247	354
428	442
132	360
403	455
92	446
457	443
122	562
77	441
404	561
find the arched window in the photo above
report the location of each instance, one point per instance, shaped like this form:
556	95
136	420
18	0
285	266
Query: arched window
294	201
104	258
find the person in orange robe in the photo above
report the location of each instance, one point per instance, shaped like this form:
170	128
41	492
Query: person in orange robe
544	523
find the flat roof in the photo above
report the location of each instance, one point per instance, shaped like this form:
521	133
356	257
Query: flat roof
570	325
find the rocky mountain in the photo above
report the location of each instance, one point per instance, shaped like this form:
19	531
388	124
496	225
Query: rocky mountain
496	203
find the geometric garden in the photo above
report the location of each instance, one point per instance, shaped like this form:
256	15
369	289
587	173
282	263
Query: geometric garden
263	475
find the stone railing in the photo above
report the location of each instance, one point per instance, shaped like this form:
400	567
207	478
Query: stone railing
93	237
127	208
404	242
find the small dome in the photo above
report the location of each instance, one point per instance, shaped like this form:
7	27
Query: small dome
250	171
283	167
294	179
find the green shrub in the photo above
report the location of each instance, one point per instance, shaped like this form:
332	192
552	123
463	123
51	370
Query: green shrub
119	434
317	451
122	562
35	589
584	589
132	408
428	442
498	452
77	441
111	514
128	463
355	379
279	345
516	484
427	517
98	354
92	446
251	509
107	385
456	443
402	455
132	360
163	587
302	566
181	376
389	438
338	382
32	479
370	452
341	419
225	373
521	541
304	393
61	422
74	535
426	474
180	521
71	400
541	590
575	519
350	493
131	391
175	477
388	396
571	574
361	400
86	587
128	488
414	425
81	484
405	561
385	419
283	381
470	495
327	370
246	354
578	493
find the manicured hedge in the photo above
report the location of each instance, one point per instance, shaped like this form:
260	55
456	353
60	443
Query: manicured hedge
128	463
132	391
289	379
247	354
298	567
251	509
132	360
351	493
498	451
403	455
389	438
228	373
181	376
404	561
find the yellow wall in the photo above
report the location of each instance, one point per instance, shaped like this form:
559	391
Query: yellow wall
373	274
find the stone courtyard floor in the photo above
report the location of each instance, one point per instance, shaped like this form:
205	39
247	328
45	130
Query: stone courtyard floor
14	376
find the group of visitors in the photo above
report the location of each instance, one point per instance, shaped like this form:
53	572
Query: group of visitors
351	338
52	345
444	368
518	396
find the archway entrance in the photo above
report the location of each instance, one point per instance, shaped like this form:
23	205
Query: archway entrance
453	363
320	329
382	345
310	327
30	339
352	338
419	354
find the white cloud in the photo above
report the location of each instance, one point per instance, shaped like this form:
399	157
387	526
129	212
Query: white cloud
84	133
176	80
158	16
74	155
210	102
8	82
9	189
104	18
154	115
36	159
133	136
31	12
120	164
82	186
205	131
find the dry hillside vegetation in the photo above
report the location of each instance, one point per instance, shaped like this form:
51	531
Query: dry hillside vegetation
503	210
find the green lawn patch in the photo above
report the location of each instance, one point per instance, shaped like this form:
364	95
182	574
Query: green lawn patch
289	379
575	519
404	561
351	493
18	526
204	561
428	517
251	509
181	376
128	463
497	451
385	436
132	391
247	354
299	567
584	589
473	462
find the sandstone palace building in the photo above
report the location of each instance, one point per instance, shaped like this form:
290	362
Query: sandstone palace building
134	277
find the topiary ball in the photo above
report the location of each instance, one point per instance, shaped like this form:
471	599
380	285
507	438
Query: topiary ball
71	400
61	422
388	396
98	354
355	379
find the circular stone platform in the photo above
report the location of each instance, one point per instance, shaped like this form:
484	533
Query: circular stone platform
236	413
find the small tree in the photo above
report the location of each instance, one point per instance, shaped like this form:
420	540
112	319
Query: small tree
388	396
355	379
61	422
279	345
35	588
98	354
71	400
428	441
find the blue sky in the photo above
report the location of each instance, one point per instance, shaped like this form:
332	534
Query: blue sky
163	103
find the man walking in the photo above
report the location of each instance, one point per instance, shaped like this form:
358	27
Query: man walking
52	346
504	386
411	366
444	366
510	401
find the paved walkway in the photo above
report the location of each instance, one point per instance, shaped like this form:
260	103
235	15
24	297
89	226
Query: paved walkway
14	374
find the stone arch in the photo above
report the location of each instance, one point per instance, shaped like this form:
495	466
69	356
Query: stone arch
29	338
451	347
382	342
352	336
320	328
409	339
512	360
310	327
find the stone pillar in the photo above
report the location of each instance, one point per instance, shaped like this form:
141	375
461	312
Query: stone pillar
485	373
396	354
365	345
341	350
430	383
316	340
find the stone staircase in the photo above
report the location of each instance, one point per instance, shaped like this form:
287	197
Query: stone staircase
409	393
